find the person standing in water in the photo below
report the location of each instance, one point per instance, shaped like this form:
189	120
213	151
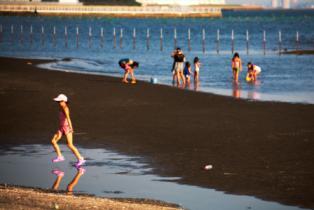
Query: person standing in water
187	73
65	128
179	59
236	66
197	66
128	65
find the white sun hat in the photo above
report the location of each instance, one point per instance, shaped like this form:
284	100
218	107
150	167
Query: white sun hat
61	97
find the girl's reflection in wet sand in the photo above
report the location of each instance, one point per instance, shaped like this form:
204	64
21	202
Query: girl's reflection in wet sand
72	184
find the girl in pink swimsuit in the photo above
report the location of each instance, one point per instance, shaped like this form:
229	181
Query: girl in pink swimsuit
236	67
65	128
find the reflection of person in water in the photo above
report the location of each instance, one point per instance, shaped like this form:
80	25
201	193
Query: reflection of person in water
236	91
72	184
253	95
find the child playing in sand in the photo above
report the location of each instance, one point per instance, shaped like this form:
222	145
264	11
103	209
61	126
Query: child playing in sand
197	66
128	65
66	129
252	72
236	66
187	72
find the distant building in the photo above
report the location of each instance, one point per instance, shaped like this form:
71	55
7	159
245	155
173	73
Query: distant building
286	4
19	1
180	2
274	3
68	1
38	1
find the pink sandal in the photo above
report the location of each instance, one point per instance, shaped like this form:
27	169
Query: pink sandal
58	172
79	163
58	159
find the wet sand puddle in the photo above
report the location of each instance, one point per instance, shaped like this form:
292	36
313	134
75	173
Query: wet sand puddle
109	174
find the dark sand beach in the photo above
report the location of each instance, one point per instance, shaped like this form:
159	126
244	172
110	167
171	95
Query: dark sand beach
263	149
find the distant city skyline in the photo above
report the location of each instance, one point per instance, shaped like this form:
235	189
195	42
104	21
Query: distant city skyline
264	3
277	3
255	2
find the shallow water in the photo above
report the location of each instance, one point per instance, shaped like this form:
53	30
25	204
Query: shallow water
284	78
109	174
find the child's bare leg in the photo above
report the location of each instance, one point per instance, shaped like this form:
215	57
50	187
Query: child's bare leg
173	76
57	183
237	76
69	137
196	77
125	77
132	75
54	142
178	77
182	77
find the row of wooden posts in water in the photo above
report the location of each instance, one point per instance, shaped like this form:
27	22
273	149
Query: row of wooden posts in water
120	36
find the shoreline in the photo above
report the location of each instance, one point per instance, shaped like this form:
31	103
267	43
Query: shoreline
213	91
262	149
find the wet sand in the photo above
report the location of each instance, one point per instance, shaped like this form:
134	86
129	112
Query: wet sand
15	198
263	149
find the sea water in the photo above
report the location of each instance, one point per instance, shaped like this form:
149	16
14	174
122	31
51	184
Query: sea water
287	78
109	174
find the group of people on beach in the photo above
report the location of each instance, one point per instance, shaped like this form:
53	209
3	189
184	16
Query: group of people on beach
181	73
182	70
236	65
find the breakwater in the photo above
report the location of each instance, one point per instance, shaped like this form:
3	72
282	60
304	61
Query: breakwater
115	11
